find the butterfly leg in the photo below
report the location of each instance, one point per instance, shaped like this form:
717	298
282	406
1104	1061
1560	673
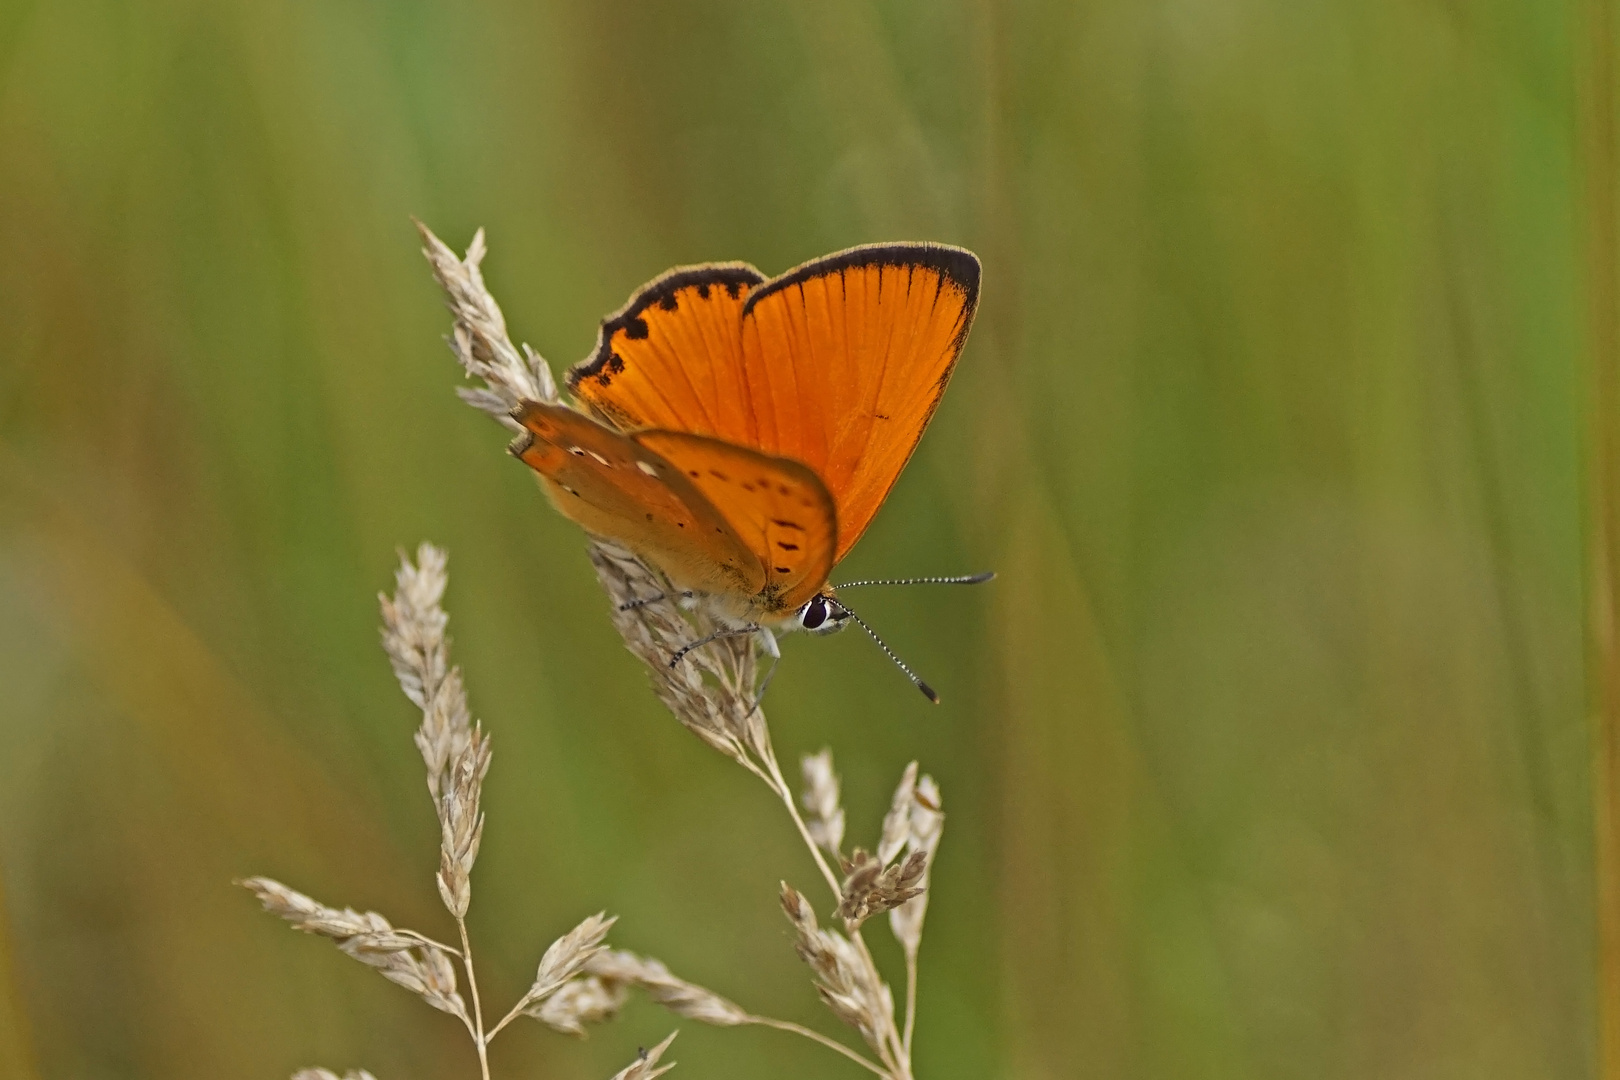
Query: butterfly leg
767	643
645	600
680	654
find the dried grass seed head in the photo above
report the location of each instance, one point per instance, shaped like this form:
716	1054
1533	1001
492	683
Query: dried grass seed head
927	825
824	814
870	888
684	999
453	748
403	957
567	957
413	635
579	1003
846	983
478	337
461	822
720	708
897	822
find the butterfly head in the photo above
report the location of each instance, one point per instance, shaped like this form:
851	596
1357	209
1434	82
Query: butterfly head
821	614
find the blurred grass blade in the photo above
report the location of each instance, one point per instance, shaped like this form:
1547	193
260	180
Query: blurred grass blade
16	1037
1603	511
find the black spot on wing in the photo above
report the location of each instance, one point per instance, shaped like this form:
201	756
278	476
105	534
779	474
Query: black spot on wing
667	302
635	329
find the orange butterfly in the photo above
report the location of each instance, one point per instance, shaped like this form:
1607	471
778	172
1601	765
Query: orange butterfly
746	430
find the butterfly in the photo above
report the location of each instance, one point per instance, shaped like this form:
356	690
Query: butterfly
740	432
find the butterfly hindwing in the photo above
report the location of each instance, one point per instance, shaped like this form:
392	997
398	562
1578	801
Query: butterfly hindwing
616	488
670	356
780	508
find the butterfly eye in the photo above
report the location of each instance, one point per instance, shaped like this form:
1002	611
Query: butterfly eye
814	613
822	614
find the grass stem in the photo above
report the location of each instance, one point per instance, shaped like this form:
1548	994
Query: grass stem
911	1001
831	1044
478	1009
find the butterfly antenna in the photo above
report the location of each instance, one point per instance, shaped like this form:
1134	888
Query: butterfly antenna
928	691
967	579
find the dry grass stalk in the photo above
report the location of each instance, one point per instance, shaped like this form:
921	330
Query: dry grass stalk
457	755
713	694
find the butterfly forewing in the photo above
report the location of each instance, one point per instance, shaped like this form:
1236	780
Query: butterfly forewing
672	357
779	508
617	488
856	349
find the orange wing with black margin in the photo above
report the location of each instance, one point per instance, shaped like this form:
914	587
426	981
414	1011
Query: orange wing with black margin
672	356
840	365
847	357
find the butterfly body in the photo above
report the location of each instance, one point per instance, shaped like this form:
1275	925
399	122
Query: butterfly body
742	431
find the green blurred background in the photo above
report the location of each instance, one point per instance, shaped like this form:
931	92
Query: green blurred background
1264	757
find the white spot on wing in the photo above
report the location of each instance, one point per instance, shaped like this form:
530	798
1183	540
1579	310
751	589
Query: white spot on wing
647	468
600	458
